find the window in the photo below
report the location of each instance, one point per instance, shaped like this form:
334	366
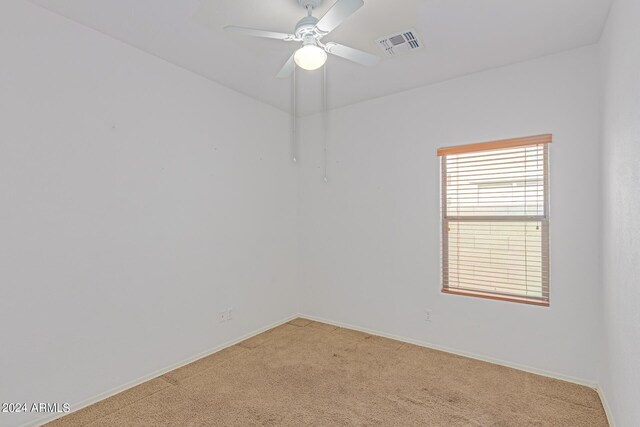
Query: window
495	220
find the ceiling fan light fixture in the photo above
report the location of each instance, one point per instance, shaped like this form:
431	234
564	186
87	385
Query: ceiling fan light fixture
310	57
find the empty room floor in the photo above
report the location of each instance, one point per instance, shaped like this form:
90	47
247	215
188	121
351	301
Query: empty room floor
311	373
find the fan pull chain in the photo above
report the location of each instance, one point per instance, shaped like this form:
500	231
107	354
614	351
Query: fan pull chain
324	119
294	132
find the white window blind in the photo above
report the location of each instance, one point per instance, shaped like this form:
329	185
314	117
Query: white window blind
495	213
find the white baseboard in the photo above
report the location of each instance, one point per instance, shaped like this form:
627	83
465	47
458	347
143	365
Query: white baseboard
120	389
500	362
607	408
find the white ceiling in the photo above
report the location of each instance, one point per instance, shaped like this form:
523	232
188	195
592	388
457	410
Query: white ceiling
460	36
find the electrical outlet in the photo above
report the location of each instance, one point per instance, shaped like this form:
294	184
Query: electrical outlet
225	315
427	315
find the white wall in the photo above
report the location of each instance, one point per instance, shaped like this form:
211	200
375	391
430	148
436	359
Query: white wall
370	238
620	376
136	201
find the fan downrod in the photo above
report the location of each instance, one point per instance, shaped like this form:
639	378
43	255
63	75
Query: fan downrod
310	3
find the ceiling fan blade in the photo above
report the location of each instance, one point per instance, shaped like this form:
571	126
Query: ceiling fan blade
355	55
340	11
287	68
259	33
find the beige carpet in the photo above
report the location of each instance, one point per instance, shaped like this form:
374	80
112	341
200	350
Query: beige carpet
312	374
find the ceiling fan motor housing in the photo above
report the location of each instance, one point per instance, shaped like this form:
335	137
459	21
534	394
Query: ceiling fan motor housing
307	27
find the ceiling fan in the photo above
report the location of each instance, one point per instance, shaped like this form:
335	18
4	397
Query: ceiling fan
310	31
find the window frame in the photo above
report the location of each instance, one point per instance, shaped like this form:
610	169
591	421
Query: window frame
544	220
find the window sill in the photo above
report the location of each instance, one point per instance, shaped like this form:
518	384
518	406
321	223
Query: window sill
496	297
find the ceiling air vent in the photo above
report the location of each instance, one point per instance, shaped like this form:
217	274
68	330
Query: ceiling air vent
399	43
